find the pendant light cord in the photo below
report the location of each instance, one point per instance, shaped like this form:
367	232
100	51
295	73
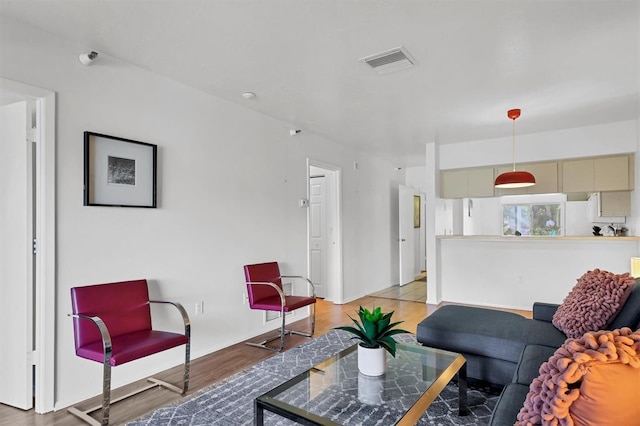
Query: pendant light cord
513	144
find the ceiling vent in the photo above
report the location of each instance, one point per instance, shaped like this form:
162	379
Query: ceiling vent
390	60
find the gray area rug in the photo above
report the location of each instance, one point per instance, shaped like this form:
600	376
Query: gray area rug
230	402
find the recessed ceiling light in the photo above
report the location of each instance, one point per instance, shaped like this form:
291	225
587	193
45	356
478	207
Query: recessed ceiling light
248	95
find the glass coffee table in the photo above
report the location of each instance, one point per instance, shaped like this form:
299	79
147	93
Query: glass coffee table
334	392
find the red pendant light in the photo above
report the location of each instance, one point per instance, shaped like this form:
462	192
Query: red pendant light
514	179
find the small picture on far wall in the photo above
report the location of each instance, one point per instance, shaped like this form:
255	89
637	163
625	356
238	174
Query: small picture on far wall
122	171
119	172
416	211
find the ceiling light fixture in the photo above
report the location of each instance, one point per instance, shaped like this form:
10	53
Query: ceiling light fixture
248	95
514	179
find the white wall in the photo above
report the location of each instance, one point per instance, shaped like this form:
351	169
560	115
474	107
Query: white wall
482	216
590	141
515	272
229	182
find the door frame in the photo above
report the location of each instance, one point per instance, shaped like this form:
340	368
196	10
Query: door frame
335	279
45	260
406	237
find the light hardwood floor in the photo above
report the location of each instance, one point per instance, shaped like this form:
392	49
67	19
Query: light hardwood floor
415	291
221	364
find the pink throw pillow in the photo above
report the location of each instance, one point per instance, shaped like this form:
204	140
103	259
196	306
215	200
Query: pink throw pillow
593	302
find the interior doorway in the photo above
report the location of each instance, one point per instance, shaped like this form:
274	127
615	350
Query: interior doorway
412	285
27	249
407	235
324	230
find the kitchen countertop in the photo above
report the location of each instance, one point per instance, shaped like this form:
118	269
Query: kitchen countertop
536	238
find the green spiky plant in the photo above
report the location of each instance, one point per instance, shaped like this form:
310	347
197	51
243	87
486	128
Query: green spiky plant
374	329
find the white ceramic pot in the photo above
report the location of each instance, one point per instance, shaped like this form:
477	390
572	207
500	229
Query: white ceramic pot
372	362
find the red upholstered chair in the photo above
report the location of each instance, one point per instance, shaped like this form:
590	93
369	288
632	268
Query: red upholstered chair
112	325
264	288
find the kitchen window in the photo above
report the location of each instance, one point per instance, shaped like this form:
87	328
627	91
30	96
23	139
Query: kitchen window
532	219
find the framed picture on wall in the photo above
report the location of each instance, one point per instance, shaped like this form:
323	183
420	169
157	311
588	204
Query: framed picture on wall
119	172
416	211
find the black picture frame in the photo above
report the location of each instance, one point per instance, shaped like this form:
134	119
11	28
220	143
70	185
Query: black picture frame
119	172
416	211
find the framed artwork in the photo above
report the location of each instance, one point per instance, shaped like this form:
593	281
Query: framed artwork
416	211
119	172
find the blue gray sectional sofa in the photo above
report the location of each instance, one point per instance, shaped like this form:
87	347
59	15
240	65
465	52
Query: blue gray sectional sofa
503	348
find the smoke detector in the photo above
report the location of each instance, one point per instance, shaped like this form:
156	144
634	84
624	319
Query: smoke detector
391	60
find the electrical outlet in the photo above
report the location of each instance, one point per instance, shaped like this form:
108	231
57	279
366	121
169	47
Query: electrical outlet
521	279
199	308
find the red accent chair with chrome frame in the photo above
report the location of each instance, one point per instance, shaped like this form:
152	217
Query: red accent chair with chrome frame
112	325
264	288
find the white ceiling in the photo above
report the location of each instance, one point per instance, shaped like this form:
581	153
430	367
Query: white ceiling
565	63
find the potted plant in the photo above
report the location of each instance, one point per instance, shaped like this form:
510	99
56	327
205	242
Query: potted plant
374	333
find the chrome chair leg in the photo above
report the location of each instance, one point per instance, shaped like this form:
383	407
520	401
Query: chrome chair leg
284	331
187	365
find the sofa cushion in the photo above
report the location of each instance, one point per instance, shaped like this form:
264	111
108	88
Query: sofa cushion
533	356
489	370
486	332
509	403
585	379
544	311
542	333
593	302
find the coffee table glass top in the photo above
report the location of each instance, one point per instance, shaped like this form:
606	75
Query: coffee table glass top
335	392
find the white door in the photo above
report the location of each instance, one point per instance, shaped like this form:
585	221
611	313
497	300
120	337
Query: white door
317	233
16	258
406	240
324	230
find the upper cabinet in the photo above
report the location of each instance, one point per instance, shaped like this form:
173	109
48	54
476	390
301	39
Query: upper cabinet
480	182
546	175
453	183
578	176
462	183
598	174
613	173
